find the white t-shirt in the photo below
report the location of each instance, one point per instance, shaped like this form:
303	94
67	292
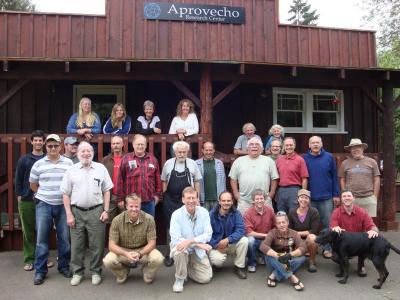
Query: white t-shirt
191	124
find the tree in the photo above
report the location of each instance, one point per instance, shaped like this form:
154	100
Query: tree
19	5
302	14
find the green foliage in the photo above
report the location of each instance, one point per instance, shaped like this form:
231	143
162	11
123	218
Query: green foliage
18	5
302	14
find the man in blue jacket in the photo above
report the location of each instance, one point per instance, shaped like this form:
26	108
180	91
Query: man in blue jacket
228	236
26	205
322	182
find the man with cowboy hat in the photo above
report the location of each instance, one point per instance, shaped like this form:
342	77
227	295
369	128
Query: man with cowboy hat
360	175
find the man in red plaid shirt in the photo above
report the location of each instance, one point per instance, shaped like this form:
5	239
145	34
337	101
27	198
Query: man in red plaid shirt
139	173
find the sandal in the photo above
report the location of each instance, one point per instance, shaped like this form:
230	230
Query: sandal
271	282
327	254
28	267
298	285
50	264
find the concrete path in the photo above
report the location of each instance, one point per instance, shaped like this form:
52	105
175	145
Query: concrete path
15	283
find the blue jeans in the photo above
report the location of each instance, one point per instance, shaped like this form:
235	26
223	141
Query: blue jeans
253	249
278	269
287	198
46	216
149	207
325	208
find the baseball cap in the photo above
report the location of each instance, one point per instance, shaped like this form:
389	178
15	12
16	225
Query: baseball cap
70	140
53	137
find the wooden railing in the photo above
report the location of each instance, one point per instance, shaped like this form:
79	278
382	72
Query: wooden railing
13	146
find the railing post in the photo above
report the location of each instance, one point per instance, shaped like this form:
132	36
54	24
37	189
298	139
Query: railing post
151	144
10	177
100	148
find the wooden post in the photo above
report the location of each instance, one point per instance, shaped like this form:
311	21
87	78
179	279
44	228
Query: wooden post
206	102
389	170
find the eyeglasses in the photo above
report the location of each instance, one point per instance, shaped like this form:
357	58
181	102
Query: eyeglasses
52	146
280	213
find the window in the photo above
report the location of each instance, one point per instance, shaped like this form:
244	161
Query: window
306	110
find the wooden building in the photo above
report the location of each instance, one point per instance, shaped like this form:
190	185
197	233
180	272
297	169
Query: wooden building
312	80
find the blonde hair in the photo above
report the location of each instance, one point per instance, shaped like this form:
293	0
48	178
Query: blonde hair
88	119
179	108
114	121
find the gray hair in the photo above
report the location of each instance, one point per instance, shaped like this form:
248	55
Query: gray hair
248	125
81	144
148	103
255	139
315	136
277	126
178	144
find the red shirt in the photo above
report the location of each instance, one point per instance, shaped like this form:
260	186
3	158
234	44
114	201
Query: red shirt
357	221
291	170
117	162
140	175
261	223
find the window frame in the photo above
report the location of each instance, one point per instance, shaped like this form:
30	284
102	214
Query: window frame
308	109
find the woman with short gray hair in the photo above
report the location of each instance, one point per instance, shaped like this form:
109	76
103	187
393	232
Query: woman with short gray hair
148	124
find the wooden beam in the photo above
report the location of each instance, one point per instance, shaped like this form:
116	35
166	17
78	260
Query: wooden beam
16	88
242	69
293	71
342	74
206	101
225	92
186	67
67	67
185	90
373	98
397	102
5	65
128	67
387	75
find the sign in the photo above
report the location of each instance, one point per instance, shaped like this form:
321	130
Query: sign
194	13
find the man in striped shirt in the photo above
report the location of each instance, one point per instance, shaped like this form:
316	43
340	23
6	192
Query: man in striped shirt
45	179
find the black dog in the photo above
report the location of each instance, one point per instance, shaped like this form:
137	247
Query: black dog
349	244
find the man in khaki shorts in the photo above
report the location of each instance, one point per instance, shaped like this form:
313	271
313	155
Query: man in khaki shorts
132	240
360	175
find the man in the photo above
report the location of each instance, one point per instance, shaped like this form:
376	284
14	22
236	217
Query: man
213	172
253	171
132	240
258	220
322	182
112	163
139	173
86	187
190	231
178	173
26	205
70	148
352	218
360	174
228	237
293	176
45	178
275	150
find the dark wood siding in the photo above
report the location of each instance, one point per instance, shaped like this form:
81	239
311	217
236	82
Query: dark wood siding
123	34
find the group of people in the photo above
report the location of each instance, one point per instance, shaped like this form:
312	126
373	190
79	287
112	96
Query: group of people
278	204
86	122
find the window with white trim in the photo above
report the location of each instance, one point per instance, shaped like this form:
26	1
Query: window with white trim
309	110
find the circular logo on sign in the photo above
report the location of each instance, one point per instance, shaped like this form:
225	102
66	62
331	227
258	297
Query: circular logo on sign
152	10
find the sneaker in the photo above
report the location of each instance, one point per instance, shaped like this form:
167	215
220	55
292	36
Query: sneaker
76	279
251	269
122	279
312	268
240	272
96	279
178	285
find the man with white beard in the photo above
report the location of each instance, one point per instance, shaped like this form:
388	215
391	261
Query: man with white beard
86	187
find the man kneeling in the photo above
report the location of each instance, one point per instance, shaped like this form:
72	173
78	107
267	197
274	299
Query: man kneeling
190	230
132	241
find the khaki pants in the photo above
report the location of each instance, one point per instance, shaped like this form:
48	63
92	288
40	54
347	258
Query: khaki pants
369	203
117	264
239	249
199	270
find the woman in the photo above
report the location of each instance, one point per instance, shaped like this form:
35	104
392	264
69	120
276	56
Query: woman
240	147
283	249
148	124
185	123
119	122
276	132
305	220
84	122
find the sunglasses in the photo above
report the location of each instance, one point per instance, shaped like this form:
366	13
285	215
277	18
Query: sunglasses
52	146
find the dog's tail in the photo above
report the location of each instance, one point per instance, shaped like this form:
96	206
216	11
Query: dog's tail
394	248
